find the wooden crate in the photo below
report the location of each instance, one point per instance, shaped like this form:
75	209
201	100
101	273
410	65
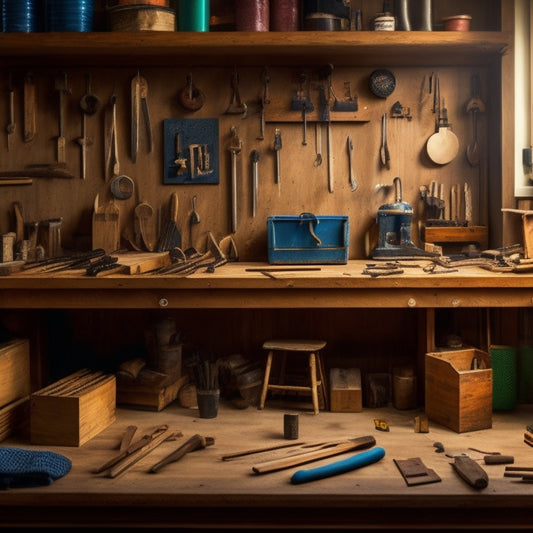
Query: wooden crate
15	418
73	410
346	395
14	370
457	396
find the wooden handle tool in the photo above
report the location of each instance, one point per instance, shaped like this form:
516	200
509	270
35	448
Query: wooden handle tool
196	442
294	460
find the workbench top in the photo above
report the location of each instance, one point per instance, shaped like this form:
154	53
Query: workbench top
204	490
260	285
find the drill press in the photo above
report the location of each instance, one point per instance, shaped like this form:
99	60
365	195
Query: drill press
394	227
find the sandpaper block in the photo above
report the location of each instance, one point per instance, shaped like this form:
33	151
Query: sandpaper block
414	471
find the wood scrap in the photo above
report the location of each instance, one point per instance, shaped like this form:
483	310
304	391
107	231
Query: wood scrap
414	472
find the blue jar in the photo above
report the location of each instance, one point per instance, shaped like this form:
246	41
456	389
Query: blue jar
20	16
69	15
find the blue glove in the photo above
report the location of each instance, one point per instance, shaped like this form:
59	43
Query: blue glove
30	468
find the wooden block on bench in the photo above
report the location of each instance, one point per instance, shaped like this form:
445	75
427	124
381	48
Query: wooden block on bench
346	395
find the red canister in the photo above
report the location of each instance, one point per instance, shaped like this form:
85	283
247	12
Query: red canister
284	15
252	15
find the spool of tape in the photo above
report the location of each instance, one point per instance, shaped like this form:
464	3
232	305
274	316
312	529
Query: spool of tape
122	187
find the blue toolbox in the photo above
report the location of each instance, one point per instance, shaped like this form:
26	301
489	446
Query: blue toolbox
308	239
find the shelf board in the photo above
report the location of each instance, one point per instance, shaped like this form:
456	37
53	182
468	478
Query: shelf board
348	48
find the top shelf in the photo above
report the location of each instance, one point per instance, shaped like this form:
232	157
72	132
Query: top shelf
348	48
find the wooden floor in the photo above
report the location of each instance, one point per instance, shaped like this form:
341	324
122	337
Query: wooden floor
202	491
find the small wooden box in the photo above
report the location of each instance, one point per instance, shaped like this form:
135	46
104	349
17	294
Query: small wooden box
457	396
14	370
73	410
345	390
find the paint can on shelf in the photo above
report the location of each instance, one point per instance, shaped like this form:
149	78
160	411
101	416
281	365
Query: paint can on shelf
384	22
284	15
252	15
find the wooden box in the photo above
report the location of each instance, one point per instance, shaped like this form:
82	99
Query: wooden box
15	418
345	390
14	370
459	389
73	410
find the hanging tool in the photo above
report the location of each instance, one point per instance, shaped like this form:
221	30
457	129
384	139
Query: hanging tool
190	97
301	101
442	146
235	149
111	143
236	105
475	105
349	103
349	145
194	219
196	442
63	90
384	154
324	118
30	108
170	236
265	78
318	145
89	105
139	105
277	149
254	155
11	126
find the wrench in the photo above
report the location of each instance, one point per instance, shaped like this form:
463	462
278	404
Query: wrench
349	144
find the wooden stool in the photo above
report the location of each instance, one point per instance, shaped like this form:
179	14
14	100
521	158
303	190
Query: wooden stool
284	347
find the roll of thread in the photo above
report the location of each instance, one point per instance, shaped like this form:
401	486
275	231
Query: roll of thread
193	15
284	15
252	15
290	426
69	15
19	16
525	371
504	377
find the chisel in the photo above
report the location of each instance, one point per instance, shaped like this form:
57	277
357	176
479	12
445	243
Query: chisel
339	467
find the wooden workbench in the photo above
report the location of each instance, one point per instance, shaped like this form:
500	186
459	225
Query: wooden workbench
204	492
234	286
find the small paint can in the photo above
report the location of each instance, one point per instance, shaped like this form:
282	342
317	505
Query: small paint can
457	23
384	22
290	426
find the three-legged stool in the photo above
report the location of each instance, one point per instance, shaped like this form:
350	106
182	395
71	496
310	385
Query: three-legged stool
285	348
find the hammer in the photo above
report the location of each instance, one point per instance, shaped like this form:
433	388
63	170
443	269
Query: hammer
196	442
